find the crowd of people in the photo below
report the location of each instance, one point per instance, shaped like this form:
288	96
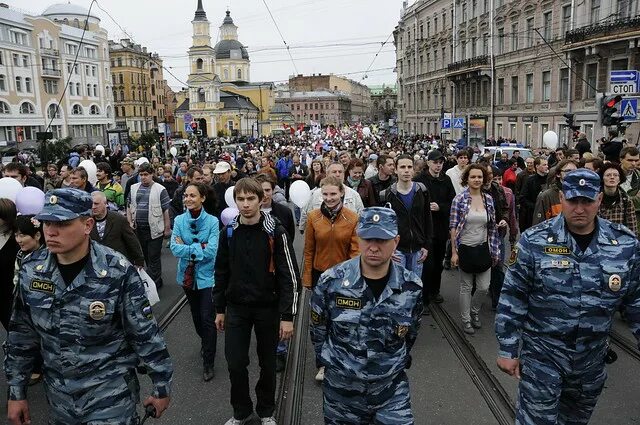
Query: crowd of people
384	218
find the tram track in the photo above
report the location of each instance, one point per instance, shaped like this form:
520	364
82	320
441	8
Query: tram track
624	344
172	313
494	394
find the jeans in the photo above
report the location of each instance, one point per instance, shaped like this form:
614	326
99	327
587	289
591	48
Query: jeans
203	315
296	213
409	260
497	277
151	249
239	321
470	304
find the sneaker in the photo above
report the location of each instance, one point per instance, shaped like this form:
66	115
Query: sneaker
234	421
208	373
268	421
320	374
438	299
35	378
475	321
468	329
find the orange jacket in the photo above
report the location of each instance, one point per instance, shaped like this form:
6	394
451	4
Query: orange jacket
326	244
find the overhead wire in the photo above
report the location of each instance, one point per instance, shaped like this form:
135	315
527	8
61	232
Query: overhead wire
281	36
376	55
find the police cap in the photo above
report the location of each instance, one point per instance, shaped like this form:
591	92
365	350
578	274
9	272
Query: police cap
377	223
581	183
65	204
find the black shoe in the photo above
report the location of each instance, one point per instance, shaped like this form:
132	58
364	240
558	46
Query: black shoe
437	299
281	363
208	374
426	311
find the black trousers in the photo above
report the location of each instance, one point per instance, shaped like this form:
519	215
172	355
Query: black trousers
432	270
151	249
203	315
239	321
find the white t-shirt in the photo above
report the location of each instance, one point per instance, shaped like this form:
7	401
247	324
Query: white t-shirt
455	174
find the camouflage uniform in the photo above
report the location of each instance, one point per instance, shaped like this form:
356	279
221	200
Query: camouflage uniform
559	303
90	333
364	343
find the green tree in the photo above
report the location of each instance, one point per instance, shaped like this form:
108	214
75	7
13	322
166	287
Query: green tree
53	151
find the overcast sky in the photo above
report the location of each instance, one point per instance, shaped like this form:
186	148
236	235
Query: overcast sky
325	36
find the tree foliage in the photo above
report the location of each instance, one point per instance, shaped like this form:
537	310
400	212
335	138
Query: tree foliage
53	151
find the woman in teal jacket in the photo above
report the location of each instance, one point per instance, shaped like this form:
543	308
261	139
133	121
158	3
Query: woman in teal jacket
195	243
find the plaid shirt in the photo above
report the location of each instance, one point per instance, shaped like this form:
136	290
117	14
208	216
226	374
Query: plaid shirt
458	218
622	212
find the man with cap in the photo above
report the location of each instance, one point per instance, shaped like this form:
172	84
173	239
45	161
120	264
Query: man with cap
82	307
371	170
365	315
565	280
222	174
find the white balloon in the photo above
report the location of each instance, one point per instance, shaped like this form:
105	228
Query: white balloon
100	148
173	151
9	188
550	140
91	169
299	193
366	131
228	198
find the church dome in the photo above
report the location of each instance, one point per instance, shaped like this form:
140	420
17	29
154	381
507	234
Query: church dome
67	10
231	49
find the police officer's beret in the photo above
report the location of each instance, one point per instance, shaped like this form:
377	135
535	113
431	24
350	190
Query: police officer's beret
581	183
65	204
377	223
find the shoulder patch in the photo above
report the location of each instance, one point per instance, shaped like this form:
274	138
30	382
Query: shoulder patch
513	258
146	310
45	286
349	303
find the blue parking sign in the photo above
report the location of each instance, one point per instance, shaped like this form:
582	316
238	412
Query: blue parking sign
446	123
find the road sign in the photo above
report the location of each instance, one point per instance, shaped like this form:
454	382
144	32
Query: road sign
624	82
447	115
188	117
187	127
629	109
458	123
446	123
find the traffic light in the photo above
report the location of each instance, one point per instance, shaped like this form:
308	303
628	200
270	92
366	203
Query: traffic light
608	108
194	126
570	121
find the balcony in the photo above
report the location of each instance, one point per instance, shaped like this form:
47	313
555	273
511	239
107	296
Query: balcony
51	72
468	68
602	29
49	52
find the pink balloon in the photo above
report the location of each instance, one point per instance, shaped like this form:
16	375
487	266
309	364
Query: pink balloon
228	214
30	200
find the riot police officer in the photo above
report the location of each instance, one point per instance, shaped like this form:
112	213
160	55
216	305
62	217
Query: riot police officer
83	308
365	315
566	279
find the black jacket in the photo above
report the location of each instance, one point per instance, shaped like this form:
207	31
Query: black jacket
611	151
415	227
441	191
304	172
380	185
583	146
285	217
251	273
220	188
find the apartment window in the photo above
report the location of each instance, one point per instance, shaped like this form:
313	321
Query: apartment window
16	59
435	59
484	85
464	12
619	64
76	110
444	20
95	90
53	111
27	85
121	78
514	37
474	44
421	30
3	83
75	70
530	32
421	69
546	20
435	24
500	41
27	108
19	84
428	31
564	84
78	89
529	88
566	18
595	11
121	95
486	6
592	80
25	61
87	70
444	56
90	52
72	90
4	108
89	90
463	50
428	61
94	110
239	74
485	44
18	37
71	49
500	91
1	58
514	90
422	98
546	86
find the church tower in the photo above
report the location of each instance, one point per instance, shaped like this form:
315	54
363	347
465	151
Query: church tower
232	58
204	85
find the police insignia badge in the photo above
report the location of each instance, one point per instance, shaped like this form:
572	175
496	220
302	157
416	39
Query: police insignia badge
558	250
615	283
402	330
315	318
350	303
513	257
53	199
97	310
42	286
375	218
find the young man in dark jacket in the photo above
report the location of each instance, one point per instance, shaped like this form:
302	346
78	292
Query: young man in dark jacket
411	202
441	192
255	287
